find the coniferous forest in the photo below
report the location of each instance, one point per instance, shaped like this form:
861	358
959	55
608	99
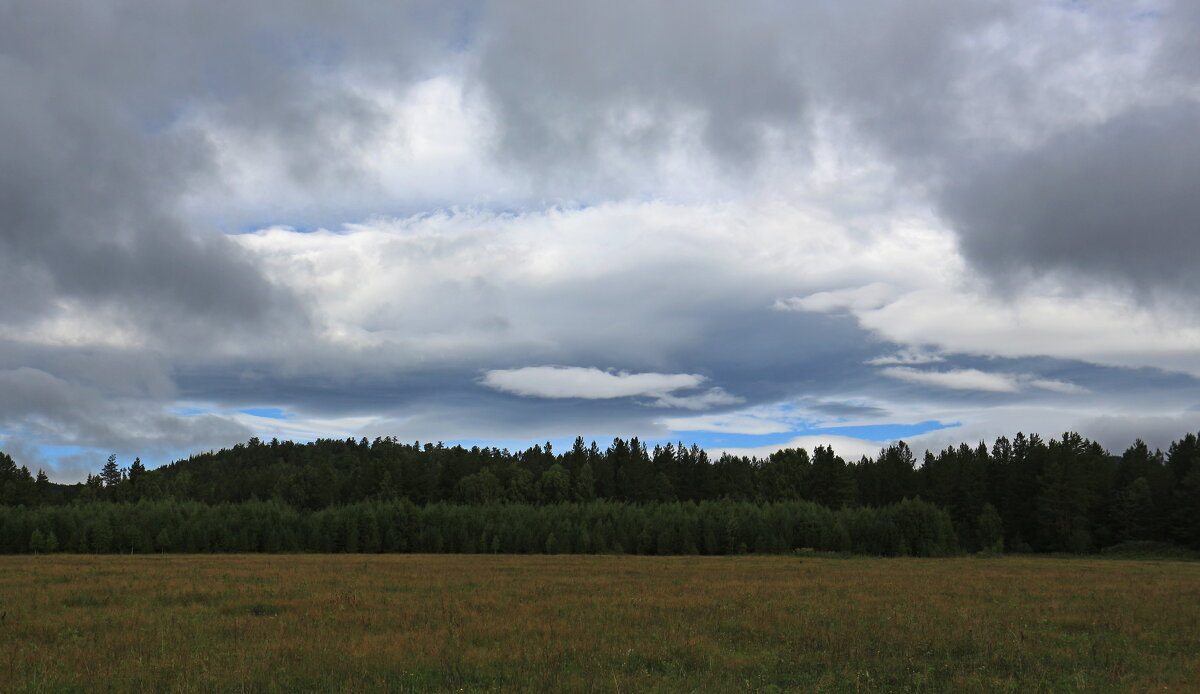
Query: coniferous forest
1023	495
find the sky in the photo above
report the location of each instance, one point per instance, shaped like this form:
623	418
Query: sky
746	225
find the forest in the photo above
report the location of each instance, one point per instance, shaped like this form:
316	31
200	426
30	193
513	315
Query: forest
1021	495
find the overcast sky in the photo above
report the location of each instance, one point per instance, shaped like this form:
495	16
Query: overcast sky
741	224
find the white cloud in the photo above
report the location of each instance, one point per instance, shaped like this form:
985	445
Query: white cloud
1057	386
731	423
868	297
429	149
908	356
1094	327
589	383
304	428
465	284
72	323
709	398
957	379
943	309
974	379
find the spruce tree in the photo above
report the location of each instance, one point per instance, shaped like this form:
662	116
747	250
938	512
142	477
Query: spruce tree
137	472
42	487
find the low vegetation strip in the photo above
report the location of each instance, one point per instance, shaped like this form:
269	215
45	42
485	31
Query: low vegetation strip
911	527
482	623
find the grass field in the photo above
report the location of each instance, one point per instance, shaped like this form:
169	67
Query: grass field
472	623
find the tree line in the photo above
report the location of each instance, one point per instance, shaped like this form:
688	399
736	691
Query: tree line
1024	494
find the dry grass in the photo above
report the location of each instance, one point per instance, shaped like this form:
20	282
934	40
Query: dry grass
356	623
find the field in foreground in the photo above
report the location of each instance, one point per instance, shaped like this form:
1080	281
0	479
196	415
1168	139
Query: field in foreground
476	623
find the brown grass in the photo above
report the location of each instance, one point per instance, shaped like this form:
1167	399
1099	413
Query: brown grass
357	623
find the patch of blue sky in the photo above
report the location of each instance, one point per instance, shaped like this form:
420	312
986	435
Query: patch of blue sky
72	456
267	412
189	411
885	432
712	439
868	432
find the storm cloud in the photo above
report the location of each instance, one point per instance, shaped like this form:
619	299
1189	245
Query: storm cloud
1117	200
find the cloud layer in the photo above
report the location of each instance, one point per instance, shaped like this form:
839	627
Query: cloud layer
752	220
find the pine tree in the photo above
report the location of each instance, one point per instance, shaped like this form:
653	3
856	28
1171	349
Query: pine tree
110	474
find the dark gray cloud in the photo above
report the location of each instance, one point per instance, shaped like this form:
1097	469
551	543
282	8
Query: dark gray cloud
1119	433
1178	56
1049	163
1116	201
66	468
42	406
571	82
569	78
98	151
736	341
115	371
848	410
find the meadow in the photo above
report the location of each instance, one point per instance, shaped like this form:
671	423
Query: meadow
498	623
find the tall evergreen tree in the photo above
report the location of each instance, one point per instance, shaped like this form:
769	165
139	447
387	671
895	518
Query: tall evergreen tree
110	474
